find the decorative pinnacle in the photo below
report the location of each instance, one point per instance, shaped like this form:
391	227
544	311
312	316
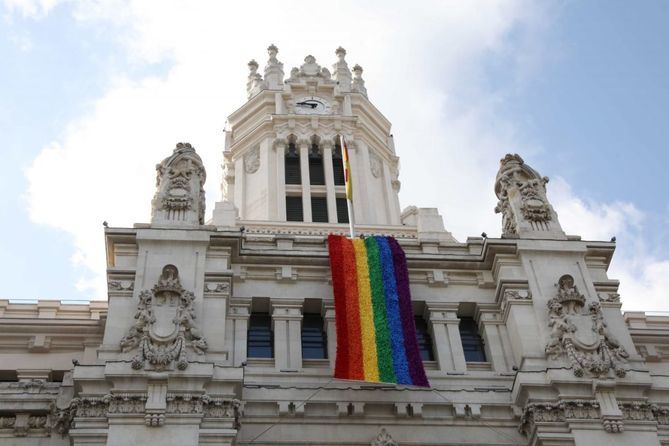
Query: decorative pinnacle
357	69
253	65
272	49
340	51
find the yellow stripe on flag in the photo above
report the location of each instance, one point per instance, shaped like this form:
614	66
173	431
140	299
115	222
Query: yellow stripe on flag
367	330
347	170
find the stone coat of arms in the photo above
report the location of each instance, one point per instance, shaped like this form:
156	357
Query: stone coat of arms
582	335
165	325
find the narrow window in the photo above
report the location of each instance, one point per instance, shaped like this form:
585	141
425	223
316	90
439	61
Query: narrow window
314	339
316	174
337	166
294	209
260	336
342	210
424	339
472	343
319	209
292	164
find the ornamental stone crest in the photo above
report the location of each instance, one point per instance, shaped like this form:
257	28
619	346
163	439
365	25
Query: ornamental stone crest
375	164
252	160
179	197
165	325
582	335
522	201
383	439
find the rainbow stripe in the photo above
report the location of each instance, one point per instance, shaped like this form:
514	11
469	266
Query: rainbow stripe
376	333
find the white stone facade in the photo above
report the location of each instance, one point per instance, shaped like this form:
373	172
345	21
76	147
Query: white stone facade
165	360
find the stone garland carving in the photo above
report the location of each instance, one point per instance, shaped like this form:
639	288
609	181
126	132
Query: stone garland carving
7	422
175	189
252	160
517	294
217	287
165	325
121	285
383	439
375	165
589	410
582	336
609	297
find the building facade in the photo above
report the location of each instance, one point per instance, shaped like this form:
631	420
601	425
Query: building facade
222	332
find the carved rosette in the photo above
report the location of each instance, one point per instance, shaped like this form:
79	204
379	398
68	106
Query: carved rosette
165	325
179	193
582	336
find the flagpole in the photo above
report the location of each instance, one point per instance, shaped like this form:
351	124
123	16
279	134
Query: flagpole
348	185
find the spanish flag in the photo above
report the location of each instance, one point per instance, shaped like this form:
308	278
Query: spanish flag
347	169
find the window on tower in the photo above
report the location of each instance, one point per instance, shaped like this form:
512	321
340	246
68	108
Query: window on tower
294	209
342	210
424	339
319	209
337	166
292	165
316	173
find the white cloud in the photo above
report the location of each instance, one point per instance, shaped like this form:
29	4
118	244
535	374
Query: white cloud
424	68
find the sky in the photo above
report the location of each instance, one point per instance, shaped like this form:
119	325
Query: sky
94	93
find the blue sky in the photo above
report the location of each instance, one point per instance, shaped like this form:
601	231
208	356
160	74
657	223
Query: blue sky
579	89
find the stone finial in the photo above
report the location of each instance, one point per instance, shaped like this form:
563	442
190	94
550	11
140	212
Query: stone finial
358	82
255	82
273	69
179	198
526	211
340	70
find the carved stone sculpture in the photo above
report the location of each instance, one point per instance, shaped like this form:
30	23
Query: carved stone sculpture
341	72
273	69
358	82
582	336
179	198
164	325
525	209
383	439
255	82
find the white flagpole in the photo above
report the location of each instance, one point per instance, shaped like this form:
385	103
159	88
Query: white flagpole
348	185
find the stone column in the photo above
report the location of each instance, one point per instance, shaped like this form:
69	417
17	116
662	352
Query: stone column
240	311
306	182
280	149
446	337
328	313
239	187
287	327
329	181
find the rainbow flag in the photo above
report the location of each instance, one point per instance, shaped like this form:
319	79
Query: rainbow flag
376	333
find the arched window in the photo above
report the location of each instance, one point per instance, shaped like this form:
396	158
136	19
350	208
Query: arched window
472	343
337	166
314	340
260	339
424	339
316	173
292	165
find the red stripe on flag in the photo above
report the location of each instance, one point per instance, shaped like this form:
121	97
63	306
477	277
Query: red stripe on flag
355	369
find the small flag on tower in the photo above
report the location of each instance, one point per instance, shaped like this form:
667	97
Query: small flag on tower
376	332
347	170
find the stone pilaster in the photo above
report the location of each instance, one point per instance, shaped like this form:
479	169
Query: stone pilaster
287	327
446	337
329	181
306	181
328	313
240	311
